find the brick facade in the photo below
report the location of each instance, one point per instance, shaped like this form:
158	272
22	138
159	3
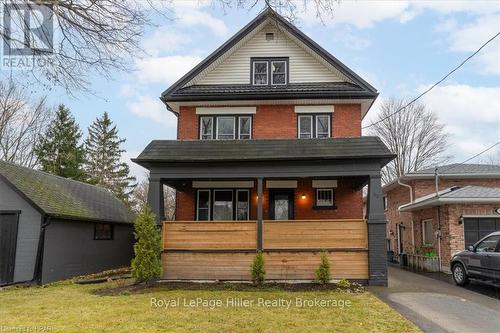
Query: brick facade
277	122
349	203
452	233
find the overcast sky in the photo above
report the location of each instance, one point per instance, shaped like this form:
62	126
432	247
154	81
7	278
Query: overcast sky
399	47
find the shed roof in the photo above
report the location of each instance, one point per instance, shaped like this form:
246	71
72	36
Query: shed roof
65	198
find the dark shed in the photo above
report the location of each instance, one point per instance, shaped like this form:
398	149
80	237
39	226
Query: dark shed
52	228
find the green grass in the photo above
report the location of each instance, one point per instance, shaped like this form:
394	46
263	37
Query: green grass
68	307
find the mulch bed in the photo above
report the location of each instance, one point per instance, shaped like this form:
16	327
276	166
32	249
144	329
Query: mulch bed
225	286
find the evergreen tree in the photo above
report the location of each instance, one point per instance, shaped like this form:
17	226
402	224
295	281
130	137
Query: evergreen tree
146	265
103	155
59	151
323	272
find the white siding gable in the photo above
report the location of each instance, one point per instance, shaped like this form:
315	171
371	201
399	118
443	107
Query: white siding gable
304	64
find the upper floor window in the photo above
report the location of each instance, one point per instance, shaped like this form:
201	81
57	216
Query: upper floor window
225	127
267	71
314	126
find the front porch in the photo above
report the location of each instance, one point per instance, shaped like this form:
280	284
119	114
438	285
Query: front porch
302	197
224	250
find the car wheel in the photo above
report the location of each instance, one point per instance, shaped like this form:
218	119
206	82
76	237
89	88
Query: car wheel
459	275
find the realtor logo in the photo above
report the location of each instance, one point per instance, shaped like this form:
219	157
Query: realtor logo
28	32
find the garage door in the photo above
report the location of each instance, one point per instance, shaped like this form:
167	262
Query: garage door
478	227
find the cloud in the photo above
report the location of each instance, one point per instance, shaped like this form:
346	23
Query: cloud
165	40
360	14
153	109
365	14
471	115
470	37
164	69
190	14
136	170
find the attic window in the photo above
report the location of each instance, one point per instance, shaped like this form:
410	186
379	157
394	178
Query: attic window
269	35
269	71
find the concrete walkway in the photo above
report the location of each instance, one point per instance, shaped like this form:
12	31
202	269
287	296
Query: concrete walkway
437	306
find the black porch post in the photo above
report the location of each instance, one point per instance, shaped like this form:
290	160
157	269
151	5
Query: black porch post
155	199
377	255
259	213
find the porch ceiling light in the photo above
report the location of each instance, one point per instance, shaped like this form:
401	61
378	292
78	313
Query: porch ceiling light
303	196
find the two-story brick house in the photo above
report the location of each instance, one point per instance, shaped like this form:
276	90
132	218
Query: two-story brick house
269	156
444	216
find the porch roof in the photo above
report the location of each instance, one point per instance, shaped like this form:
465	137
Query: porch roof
173	151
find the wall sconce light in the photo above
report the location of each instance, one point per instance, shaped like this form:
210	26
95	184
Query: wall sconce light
303	196
461	220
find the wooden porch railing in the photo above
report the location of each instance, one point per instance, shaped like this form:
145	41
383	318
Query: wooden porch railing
242	235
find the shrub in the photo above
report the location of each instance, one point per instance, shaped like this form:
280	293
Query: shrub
344	283
323	272
257	269
146	265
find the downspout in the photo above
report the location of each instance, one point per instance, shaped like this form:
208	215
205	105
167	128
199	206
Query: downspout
436	181
411	200
37	275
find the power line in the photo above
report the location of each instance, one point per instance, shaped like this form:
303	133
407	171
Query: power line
471	158
435	84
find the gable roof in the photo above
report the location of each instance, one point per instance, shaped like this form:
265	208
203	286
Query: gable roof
269	14
64	198
451	171
174	151
455	195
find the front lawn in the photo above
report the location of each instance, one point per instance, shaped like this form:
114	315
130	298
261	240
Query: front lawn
111	307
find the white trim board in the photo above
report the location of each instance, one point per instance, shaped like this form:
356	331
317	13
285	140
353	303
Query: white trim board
281	184
223	184
226	110
326	183
314	108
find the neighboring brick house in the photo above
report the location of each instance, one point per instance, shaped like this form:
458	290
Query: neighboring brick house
269	157
464	210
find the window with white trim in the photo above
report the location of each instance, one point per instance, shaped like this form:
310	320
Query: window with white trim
222	204
269	71
203	205
305	127
314	126
278	72
260	73
427	232
244	127
206	128
226	127
242	204
325	197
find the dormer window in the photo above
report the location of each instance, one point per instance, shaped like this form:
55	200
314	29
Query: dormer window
260	73
269	71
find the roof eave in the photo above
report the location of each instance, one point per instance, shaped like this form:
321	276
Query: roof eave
443	201
249	27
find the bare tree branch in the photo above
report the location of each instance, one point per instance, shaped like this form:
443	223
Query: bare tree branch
22	123
415	135
102	37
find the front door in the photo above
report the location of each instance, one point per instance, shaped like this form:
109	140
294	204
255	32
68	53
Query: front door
8	242
281	204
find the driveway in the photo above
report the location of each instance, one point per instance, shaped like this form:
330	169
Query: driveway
437	306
